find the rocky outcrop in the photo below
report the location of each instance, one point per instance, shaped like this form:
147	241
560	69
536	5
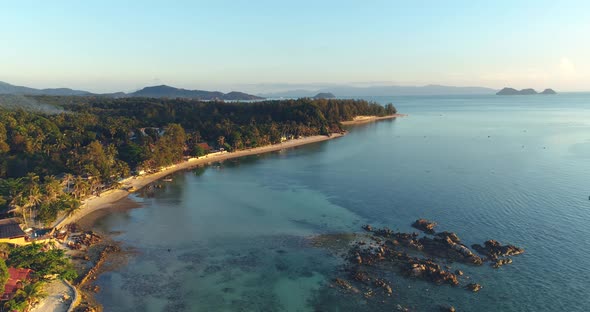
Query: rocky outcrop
85	239
501	262
91	274
372	257
424	226
430	271
398	238
448	245
474	287
493	249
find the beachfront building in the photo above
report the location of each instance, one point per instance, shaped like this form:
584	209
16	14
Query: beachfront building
11	232
16	280
205	147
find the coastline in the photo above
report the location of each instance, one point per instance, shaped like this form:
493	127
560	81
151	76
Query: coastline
359	120
107	198
117	199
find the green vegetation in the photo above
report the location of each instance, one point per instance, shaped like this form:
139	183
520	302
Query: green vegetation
43	261
49	162
25	297
3	273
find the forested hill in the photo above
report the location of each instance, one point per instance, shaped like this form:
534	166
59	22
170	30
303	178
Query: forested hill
94	141
172	93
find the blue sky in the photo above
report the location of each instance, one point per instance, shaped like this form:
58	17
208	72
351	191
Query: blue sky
124	45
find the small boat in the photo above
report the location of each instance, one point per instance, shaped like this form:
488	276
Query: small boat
167	180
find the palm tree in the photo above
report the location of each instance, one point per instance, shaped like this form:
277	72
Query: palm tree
221	141
53	188
80	188
33	200
18	204
95	185
68	180
73	207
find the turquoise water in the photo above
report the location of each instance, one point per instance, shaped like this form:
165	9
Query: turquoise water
234	237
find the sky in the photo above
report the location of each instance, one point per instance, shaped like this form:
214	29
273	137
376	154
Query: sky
107	46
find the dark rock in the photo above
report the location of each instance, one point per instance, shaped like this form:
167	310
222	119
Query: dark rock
345	285
447	245
494	249
430	271
367	227
452	236
501	262
385	285
360	276
424	225
474	287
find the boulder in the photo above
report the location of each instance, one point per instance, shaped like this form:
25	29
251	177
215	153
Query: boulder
425	226
474	287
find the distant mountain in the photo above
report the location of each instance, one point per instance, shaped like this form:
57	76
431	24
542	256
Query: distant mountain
154	92
512	91
508	91
6	88
236	96
164	91
324	95
351	91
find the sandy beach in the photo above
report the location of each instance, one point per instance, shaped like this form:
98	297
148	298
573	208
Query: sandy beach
55	302
358	120
107	198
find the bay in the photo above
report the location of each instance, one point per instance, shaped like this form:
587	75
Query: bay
235	236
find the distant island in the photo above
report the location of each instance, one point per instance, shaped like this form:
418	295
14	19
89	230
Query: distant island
161	91
324	95
377	90
512	91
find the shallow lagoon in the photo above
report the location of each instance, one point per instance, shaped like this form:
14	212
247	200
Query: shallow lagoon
513	169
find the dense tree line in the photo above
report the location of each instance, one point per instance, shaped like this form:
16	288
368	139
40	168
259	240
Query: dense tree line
49	161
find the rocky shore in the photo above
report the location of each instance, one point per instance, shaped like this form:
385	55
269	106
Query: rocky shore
373	258
89	252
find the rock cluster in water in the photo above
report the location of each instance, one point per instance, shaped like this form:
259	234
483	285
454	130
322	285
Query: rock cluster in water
372	257
85	239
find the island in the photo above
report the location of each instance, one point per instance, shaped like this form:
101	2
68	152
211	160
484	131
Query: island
324	95
529	91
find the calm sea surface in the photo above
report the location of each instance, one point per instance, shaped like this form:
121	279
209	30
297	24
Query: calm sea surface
234	237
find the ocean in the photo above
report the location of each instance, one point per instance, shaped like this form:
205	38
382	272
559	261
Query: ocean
236	236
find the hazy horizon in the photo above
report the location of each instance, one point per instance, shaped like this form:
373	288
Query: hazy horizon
246	46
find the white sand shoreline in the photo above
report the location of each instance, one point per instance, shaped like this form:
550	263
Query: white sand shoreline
106	198
358	120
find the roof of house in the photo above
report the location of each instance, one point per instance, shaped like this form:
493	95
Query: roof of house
205	146
10	228
15	276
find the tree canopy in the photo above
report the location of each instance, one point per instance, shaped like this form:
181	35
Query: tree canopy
49	162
